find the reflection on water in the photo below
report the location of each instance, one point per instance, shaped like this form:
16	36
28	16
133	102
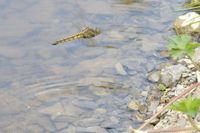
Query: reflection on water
75	88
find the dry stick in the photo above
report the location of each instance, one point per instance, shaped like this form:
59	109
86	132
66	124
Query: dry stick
185	93
170	130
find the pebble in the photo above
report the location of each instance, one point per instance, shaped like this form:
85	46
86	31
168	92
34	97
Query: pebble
144	93
179	89
171	74
160	107
140	117
133	105
153	105
185	61
191	66
154	76
184	75
120	69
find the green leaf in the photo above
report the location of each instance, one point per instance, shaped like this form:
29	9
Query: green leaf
181	45
188	106
192	45
176	53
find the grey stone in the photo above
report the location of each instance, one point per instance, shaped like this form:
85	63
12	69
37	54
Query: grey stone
167	80
154	76
171	74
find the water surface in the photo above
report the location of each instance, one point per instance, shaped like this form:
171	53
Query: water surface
75	87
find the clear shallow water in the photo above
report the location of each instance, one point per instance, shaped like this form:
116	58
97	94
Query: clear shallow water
47	88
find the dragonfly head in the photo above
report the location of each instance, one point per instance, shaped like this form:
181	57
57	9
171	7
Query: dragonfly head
97	31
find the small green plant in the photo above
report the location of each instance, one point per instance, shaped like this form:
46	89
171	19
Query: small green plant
181	45
162	87
190	107
193	4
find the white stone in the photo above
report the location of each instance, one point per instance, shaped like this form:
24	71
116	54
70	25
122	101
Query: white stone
188	23
189	18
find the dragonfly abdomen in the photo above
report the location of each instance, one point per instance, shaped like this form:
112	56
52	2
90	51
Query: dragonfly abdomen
68	39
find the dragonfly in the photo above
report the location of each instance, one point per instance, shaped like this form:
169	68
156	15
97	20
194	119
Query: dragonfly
88	33
85	33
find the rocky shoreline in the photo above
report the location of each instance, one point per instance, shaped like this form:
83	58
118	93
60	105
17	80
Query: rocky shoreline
170	80
173	82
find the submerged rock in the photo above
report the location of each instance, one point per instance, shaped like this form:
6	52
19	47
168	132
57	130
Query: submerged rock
133	105
112	122
137	106
120	69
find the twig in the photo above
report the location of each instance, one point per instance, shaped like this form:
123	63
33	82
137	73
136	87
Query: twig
185	93
170	130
